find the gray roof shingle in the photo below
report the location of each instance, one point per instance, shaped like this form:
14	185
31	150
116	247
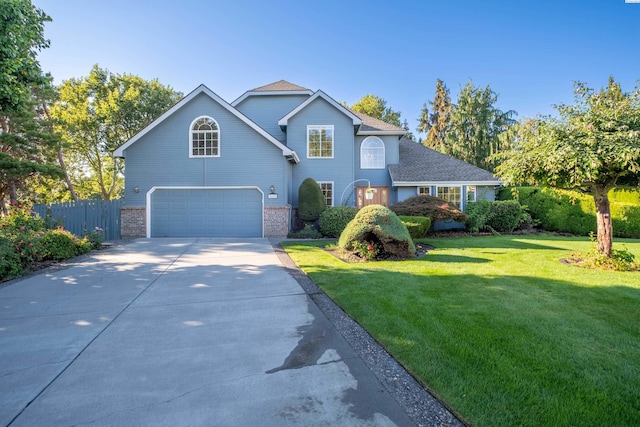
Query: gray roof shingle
281	85
372	124
421	164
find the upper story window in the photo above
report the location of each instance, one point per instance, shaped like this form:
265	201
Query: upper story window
372	153
320	142
204	138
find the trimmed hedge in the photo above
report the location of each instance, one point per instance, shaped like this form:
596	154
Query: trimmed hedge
500	216
574	212
334	220
416	225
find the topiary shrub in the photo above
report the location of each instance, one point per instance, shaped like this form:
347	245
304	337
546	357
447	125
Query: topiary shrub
416	225
430	206
311	201
334	219
378	229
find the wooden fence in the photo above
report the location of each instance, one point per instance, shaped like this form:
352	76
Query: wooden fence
85	215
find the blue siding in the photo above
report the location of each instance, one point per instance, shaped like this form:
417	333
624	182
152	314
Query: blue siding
266	110
377	177
161	157
339	169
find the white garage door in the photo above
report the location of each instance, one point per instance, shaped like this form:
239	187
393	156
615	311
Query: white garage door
205	212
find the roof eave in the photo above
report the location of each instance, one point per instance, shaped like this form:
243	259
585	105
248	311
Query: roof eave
447	182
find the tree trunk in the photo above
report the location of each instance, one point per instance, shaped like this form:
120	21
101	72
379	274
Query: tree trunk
603	218
66	176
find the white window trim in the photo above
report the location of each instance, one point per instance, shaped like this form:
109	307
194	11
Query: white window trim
333	190
475	194
462	195
423	186
333	141
362	146
191	155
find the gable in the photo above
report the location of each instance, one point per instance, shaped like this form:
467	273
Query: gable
203	91
283	122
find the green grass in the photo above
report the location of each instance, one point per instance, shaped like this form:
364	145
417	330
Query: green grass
499	329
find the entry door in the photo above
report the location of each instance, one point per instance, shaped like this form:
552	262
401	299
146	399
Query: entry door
380	196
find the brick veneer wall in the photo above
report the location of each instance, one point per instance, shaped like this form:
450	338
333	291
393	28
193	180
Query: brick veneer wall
276	221
133	222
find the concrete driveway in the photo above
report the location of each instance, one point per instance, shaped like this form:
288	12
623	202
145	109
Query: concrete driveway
211	332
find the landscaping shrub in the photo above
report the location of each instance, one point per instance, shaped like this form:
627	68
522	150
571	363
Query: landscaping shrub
507	216
478	214
500	216
416	225
307	232
311	202
60	244
573	212
10	265
95	237
430	206
334	219
380	228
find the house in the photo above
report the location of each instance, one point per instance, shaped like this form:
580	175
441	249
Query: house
207	167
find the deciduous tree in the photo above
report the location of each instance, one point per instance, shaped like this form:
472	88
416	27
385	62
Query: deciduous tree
593	146
21	38
96	114
376	107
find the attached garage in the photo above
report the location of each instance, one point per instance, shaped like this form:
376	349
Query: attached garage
205	212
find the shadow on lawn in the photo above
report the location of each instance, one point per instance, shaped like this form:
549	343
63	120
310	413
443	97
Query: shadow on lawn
510	241
454	258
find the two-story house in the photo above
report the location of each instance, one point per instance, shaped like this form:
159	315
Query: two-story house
212	169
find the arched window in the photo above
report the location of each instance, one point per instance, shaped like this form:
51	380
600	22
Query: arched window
372	153
204	138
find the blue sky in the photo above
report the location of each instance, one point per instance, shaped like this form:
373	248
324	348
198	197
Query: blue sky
529	52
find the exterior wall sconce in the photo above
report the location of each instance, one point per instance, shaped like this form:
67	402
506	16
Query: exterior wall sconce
136	189
272	193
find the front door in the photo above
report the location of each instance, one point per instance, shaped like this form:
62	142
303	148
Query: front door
379	196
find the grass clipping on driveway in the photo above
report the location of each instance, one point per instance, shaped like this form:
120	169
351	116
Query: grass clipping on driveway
498	328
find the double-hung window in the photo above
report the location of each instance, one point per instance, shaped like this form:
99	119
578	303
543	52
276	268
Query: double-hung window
424	191
204	138
320	142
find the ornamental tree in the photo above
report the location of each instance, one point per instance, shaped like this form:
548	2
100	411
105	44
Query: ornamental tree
593	147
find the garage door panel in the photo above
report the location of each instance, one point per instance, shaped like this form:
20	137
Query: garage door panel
206	213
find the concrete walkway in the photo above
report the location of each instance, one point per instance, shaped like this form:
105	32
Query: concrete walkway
206	332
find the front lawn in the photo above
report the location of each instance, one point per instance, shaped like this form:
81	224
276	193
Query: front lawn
498	328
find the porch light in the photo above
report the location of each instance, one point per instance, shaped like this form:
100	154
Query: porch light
136	189
272	189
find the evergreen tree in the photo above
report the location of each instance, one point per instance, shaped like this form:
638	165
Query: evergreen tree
436	124
476	125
